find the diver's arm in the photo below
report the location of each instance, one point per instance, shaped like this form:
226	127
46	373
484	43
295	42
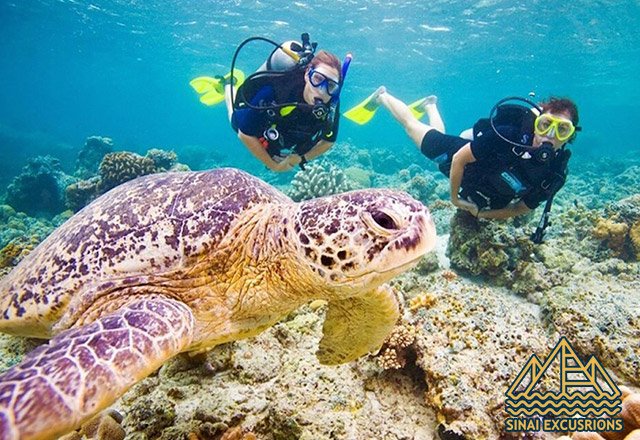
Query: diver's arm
462	157
256	148
506	212
318	149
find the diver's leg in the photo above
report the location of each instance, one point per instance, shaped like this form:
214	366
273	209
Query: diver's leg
401	112
431	108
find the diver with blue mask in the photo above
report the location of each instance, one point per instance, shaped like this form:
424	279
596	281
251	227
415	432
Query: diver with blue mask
287	112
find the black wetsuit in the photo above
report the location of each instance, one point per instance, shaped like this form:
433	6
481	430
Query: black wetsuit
502	172
298	128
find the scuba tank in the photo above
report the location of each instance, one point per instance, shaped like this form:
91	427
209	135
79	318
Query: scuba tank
281	59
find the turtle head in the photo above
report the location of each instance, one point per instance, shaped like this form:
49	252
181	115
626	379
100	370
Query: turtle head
363	238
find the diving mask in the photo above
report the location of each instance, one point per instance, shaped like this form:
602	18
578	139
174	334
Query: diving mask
562	128
319	79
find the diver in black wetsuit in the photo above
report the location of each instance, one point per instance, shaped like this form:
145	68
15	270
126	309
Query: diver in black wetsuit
511	163
508	164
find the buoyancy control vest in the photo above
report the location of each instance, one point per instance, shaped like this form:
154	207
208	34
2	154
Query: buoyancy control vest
513	173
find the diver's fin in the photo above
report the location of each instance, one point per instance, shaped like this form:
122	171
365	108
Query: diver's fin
418	108
363	112
211	89
358	325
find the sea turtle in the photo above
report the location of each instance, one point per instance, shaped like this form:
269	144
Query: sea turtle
178	262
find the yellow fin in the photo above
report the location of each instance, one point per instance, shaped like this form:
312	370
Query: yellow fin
417	108
203	84
212	88
212	98
363	112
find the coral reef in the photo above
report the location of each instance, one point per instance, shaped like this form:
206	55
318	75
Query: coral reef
91	154
114	169
16	250
489	248
619	228
120	167
360	177
273	388
80	194
422	187
393	353
104	426
39	189
19	234
471	342
602	317
459	344
163	160
319	179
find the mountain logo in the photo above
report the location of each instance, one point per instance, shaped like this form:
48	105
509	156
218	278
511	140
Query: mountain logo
587	398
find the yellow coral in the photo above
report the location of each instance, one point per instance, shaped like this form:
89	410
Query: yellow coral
613	233
16	250
634	235
392	354
425	299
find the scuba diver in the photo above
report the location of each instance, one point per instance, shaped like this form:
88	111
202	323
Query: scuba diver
287	112
506	165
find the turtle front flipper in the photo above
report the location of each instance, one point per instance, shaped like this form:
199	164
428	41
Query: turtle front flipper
82	370
358	325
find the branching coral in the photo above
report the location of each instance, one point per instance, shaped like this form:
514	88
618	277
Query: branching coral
318	180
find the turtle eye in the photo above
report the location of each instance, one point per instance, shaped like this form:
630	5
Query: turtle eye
384	220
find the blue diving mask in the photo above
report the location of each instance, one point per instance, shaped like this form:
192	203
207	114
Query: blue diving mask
319	79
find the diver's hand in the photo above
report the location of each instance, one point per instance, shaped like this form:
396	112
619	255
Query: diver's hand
465	205
294	159
287	163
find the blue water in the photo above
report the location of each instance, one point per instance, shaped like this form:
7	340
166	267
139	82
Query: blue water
74	68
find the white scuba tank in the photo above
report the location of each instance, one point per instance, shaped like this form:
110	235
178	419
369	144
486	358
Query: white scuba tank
279	60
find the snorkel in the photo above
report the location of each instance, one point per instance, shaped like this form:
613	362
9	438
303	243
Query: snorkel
343	74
